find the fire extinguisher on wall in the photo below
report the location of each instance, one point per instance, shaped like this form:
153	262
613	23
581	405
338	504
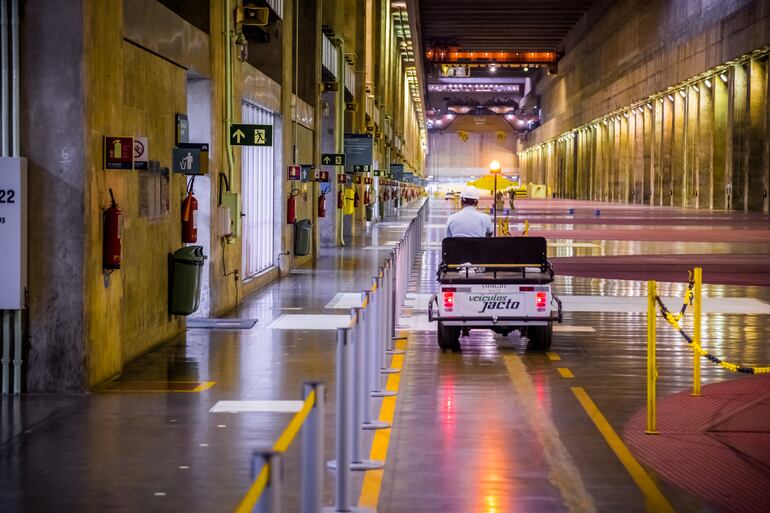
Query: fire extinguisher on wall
356	200
112	228
367	197
291	207
190	216
340	198
322	203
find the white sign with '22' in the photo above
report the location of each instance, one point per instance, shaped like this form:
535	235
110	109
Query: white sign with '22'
13	232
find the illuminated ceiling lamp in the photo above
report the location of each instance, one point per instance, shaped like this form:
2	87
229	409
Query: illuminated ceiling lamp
500	109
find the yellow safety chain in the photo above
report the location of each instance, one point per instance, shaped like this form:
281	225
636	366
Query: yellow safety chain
673	320
526	228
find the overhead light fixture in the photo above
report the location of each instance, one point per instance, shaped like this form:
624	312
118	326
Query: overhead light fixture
450	116
707	82
671	98
682	93
526	68
493	67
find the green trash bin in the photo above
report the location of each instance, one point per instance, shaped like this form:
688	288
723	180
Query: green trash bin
185	286
303	234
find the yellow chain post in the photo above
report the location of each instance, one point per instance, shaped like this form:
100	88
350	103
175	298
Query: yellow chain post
526	227
652	370
697	312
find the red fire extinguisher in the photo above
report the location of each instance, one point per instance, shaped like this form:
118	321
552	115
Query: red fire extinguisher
340	198
291	207
190	216
111	248
322	203
356	200
367	197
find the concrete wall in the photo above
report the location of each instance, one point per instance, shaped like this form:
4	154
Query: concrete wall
449	155
691	143
93	77
52	137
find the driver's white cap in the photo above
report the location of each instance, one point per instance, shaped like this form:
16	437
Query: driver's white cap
472	194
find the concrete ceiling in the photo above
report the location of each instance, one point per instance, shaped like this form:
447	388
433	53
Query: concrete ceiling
499	25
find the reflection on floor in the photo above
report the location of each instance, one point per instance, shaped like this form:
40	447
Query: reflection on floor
495	429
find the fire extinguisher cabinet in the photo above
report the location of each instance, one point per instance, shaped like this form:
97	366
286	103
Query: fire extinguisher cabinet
185	280
303	234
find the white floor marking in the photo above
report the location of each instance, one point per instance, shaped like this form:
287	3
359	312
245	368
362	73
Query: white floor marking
184	467
625	304
256	407
310	322
343	300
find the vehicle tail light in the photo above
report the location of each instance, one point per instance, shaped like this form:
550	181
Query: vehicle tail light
540	300
449	300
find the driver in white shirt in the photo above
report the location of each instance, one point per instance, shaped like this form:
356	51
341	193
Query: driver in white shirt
469	222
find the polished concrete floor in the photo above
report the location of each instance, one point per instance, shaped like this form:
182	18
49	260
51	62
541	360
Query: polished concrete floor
494	429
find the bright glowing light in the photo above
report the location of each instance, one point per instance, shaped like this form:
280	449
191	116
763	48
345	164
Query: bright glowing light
509	116
438	122
682	93
526	68
494	166
671	98
723	76
450	116
707	82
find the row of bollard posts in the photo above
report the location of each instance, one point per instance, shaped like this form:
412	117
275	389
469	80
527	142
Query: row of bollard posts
361	364
362	361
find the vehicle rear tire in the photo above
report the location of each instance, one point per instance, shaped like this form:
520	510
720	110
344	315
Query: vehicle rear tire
540	337
448	337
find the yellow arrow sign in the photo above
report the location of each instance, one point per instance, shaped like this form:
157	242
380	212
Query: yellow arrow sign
238	135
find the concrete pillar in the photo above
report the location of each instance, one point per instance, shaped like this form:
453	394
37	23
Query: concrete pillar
667	162
648	172
721	160
740	137
57	176
705	145
690	194
756	172
678	149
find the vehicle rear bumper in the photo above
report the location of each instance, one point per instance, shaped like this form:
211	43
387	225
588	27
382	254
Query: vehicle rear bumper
492	321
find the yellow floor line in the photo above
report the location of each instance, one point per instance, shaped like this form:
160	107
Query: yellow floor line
553	356
654	497
565	372
372	484
562	472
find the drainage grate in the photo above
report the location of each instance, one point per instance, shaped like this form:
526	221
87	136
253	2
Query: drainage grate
222	324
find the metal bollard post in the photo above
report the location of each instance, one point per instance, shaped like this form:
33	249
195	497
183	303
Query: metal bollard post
371	346
697	314
357	461
378	343
386	344
313	451
344	396
652	369
270	500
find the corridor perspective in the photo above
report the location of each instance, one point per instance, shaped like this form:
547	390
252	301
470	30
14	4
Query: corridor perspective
396	256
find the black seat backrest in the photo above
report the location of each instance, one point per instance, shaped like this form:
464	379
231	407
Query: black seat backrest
491	251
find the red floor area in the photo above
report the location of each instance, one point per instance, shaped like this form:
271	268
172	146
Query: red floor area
735	247
727	269
716	446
